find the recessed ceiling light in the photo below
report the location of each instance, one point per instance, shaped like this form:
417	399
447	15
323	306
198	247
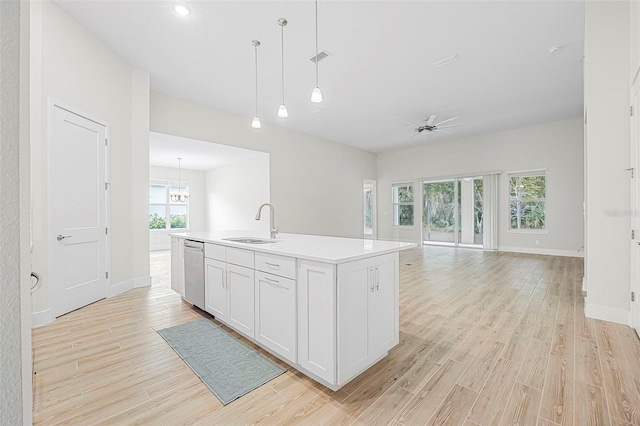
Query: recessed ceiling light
181	9
554	49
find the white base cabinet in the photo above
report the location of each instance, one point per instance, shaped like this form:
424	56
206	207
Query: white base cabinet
177	265
276	314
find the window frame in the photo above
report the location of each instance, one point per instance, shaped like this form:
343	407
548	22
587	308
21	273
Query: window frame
543	200
395	216
168	184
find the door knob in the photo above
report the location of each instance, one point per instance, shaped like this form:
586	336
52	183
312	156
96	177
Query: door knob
62	237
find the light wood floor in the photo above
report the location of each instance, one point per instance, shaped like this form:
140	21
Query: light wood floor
485	339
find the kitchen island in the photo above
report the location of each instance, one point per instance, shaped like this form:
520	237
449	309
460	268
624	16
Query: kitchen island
327	306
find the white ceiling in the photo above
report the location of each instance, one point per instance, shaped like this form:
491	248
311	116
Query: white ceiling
381	70
164	151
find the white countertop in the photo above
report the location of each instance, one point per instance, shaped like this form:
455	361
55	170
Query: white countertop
311	247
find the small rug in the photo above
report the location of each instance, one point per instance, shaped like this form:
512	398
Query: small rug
224	364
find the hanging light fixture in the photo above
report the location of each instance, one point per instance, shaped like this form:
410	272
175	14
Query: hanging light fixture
179	196
255	123
316	94
282	111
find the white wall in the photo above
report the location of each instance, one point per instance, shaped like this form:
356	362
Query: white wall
607	261
160	240
316	185
555	146
234	193
70	65
15	333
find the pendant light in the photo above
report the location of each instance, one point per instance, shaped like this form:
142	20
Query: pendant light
179	196
282	111
316	94
255	123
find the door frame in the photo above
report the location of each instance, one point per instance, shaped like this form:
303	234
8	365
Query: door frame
634	145
55	103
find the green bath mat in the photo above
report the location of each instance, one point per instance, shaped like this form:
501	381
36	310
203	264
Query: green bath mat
226	365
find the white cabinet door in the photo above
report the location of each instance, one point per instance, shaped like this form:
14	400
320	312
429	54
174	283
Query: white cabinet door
240	297
383	306
215	291
316	319
367	313
354	287
177	266
276	314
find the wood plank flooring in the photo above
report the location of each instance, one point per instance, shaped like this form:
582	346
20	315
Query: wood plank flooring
485	339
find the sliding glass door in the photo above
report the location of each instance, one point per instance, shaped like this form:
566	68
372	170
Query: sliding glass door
453	212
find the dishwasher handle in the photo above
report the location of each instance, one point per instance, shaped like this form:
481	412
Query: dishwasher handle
193	244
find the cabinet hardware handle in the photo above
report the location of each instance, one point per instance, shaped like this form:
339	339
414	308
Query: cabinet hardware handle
371	279
377	279
275	265
275	283
272	280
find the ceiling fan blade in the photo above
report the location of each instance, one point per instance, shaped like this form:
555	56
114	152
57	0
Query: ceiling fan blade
448	119
414	135
430	120
442	131
450	125
410	123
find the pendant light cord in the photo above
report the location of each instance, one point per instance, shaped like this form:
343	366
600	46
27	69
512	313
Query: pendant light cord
282	50
256	55
317	85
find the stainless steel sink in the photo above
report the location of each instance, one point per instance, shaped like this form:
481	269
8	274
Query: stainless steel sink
251	240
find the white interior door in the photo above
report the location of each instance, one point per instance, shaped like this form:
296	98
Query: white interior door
635	204
78	211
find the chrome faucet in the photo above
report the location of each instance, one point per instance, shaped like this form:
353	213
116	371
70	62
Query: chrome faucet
274	229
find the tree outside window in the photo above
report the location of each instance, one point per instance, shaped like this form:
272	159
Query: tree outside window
527	197
402	204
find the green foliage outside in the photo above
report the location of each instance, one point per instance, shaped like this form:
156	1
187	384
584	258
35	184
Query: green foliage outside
438	206
526	202
178	221
403	198
477	206
157	222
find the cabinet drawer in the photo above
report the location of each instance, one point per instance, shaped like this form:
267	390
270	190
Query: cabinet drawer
277	265
240	257
214	251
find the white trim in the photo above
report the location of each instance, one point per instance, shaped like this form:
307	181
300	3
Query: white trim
129	285
464	175
546	252
531	172
528	231
607	313
584	284
38	319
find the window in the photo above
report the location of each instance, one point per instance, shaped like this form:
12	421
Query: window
402	204
369	200
527	194
164	213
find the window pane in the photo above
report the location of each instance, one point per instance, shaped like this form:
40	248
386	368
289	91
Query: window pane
157	194
368	211
405	215
527	215
157	217
178	216
405	194
527	187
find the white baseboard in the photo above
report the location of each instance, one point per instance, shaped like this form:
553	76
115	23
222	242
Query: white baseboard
547	252
584	285
606	313
38	319
129	285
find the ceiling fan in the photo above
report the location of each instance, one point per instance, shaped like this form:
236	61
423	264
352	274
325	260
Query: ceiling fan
432	126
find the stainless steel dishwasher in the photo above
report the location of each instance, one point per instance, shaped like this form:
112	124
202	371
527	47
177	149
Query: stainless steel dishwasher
194	273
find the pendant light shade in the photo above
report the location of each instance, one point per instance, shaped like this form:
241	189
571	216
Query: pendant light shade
179	196
255	123
282	111
316	94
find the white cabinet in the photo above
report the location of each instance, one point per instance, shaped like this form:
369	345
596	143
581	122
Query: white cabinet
367	312
240	297
317	319
177	265
229	291
215	288
276	314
